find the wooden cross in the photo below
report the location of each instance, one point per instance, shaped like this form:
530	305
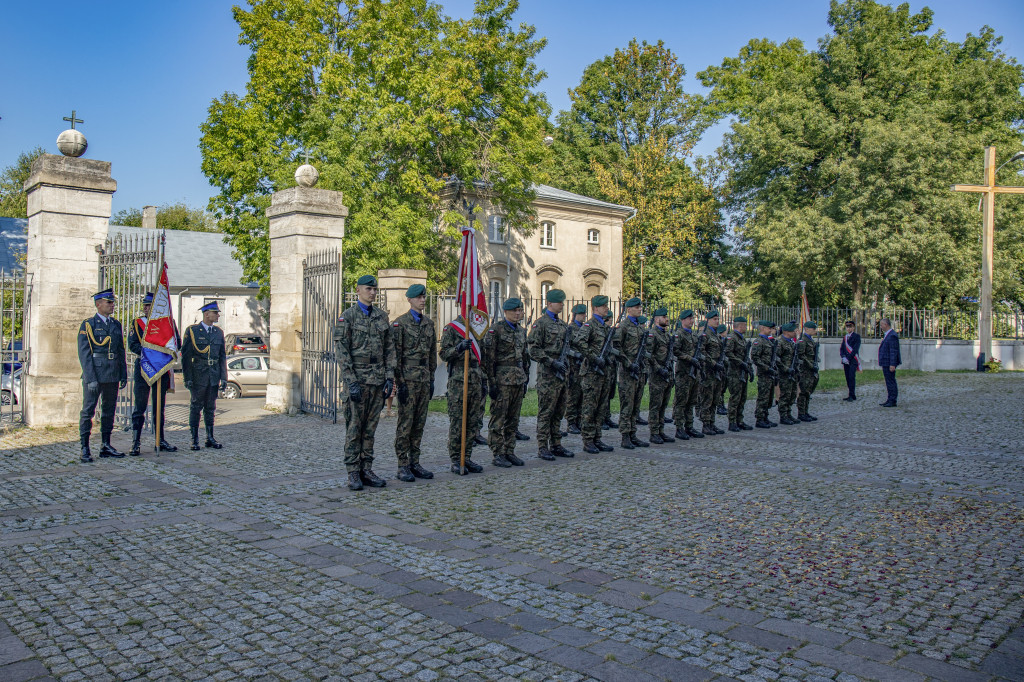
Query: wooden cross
73	119
988	202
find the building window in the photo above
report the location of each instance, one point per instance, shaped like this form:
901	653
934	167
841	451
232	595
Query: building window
593	236
545	287
496	229
547	235
495	296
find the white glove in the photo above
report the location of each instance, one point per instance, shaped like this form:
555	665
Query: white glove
846	361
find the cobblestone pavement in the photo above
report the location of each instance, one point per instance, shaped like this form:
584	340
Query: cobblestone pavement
871	544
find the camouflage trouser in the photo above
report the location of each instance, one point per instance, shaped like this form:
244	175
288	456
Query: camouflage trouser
574	404
737	397
455	416
412	417
631	393
765	396
551	396
687	394
709	394
661	393
477	408
787	395
594	388
808	382
501	429
361	426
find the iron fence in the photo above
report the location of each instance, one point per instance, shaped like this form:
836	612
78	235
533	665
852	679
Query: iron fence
319	380
14	353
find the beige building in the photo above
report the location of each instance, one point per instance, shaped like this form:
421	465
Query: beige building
577	248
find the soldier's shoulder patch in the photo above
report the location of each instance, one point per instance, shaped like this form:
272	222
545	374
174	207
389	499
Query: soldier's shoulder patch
395	324
490	331
586	324
341	319
534	326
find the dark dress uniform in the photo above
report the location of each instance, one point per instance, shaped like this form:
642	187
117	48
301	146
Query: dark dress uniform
507	363
416	353
204	368
142	392
104	369
629	337
659	339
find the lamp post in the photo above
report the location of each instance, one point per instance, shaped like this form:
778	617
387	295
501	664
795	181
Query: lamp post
643	257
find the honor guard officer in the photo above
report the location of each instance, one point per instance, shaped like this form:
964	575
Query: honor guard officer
104	371
204	367
629	341
141	389
547	338
507	362
591	341
416	353
808	363
739	371
364	346
789	377
687	378
574	404
659	341
709	386
762	350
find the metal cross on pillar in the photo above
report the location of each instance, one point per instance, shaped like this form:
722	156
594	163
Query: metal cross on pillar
73	120
988	202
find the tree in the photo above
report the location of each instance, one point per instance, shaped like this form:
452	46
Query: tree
177	216
13	200
841	159
628	138
394	101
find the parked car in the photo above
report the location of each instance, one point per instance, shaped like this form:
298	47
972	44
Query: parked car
245	343
11	351
10	387
247	375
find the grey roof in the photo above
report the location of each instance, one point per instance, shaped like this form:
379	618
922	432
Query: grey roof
194	259
13	240
555	194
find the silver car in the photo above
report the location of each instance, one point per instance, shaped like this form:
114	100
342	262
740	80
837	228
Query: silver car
10	387
247	375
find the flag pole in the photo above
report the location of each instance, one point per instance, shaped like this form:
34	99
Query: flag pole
159	409
465	393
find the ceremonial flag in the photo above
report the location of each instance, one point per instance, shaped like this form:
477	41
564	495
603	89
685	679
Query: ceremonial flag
159	344
460	329
470	294
805	312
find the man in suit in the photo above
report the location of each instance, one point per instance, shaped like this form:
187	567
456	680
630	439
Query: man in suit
849	355
889	360
205	369
141	389
104	372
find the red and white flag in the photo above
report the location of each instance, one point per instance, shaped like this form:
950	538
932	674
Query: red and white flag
159	344
805	311
473	318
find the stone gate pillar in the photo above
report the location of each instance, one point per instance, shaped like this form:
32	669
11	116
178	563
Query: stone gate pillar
303	220
68	212
394	283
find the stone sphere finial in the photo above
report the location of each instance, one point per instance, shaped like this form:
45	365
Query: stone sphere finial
306	175
72	143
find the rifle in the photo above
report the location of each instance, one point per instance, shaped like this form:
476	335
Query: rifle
640	354
816	347
567	354
607	349
792	372
747	371
719	368
695	361
666	369
773	369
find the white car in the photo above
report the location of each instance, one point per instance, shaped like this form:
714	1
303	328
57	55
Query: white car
10	388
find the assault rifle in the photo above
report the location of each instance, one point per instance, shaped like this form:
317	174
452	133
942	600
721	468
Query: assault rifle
747	371
607	349
566	355
665	371
719	368
640	354
791	371
773	369
816	347
695	362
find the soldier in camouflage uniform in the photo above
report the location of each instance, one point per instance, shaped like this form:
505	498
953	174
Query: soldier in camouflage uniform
723	334
365	350
709	387
736	352
686	386
611	378
574	405
416	353
808	363
660	371
761	358
788	380
453	350
507	362
629	341
547	337
645	374
589	341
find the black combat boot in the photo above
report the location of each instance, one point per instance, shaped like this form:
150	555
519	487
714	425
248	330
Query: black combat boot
639	443
500	461
681	434
521	436
805	418
762	424
656	439
472	467
627	443
734	427
195	437
479	440
693	433
457	470
372	479
722	410
559	451
668	420
420	472
136	443
405	474
108	450
210	441
641	421
602	446
545	454
167	447
86	452
590	448
612	424
513	460
667	438
709	430
745	426
574	429
354	481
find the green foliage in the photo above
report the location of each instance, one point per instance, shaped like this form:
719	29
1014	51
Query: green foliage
177	216
841	159
392	100
13	200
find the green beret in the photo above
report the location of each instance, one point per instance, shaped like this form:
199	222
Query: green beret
511	304
415	290
556	296
633	302
599	301
722	328
810	324
661	311
579	309
789	327
739	318
642	319
711	314
766	323
685	314
367	280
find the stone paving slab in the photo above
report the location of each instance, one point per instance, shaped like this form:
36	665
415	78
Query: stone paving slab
868	545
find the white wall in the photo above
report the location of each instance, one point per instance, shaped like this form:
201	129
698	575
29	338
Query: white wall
238	314
929	354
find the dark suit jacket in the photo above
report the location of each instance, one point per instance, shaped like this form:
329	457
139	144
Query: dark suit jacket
854	345
889	351
203	361
101	351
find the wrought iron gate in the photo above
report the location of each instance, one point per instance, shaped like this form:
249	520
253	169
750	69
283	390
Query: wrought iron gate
130	265
319	379
14	298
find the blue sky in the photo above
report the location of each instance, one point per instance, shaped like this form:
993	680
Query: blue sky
142	74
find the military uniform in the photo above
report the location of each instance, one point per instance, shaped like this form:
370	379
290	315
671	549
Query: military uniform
687	393
588	341
452	353
709	390
629	340
142	391
205	370
546	340
659	341
507	363
736	352
787	348
365	349
761	351
104	369
574	404
807	361
415	344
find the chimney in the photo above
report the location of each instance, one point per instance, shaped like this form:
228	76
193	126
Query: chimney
149	217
